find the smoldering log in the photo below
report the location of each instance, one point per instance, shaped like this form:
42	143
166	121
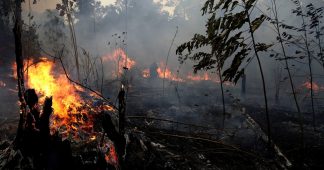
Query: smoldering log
117	138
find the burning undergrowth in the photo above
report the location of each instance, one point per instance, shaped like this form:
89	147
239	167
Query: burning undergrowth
76	111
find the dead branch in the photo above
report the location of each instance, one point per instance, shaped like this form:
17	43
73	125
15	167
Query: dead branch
205	140
75	82
172	121
167	58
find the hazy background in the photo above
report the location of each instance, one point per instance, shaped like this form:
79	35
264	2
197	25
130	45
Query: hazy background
151	25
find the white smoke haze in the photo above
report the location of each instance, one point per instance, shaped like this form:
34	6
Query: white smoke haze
151	25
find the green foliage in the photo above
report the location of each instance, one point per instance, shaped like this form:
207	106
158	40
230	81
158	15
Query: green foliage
223	37
257	22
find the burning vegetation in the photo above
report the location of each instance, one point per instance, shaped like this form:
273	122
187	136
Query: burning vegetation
233	97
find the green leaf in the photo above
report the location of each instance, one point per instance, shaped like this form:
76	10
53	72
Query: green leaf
257	22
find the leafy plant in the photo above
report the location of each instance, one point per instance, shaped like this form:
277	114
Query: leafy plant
225	39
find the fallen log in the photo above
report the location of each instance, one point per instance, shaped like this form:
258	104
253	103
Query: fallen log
282	160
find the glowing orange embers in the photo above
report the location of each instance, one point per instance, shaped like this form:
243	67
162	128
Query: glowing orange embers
120	59
110	154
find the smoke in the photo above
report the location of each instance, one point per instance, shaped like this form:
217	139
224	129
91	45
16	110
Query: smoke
145	31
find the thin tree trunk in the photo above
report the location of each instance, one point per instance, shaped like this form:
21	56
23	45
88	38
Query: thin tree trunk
263	84
20	71
223	97
319	44
309	66
167	58
73	38
102	76
286	62
301	118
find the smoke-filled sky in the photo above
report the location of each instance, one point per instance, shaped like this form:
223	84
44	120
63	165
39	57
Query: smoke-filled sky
152	25
42	5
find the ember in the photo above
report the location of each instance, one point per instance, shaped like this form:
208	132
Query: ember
110	154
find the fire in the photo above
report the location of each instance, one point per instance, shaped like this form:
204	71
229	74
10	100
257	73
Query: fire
167	74
205	77
146	73
308	85
72	116
2	84
110	153
65	96
120	58
190	77
111	156
66	100
73	113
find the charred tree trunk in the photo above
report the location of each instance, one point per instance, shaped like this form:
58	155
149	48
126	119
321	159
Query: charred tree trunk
20	72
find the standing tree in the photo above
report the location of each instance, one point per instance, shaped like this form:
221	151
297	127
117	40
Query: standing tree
314	15
280	37
217	39
67	9
20	69
226	40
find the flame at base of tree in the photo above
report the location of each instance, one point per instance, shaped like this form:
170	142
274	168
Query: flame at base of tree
73	115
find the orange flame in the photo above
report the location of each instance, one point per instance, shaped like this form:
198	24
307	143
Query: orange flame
205	77
2	84
167	74
146	73
120	58
65	96
111	155
308	85
71	116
